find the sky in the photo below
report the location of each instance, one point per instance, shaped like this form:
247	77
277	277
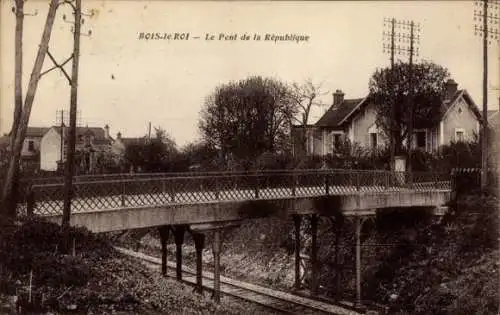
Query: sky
127	82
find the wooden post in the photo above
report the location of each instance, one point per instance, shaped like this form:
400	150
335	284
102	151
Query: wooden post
257	187
199	243
297	220
164	231
30	202
172	192
179	239
327	185
123	194
216	247
217	192
314	253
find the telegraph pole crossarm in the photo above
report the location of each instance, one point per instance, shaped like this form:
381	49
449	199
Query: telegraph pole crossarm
58	66
483	18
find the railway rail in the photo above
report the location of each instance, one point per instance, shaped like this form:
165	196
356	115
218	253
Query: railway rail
277	300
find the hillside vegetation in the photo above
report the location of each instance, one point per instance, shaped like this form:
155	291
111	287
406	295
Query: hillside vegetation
96	280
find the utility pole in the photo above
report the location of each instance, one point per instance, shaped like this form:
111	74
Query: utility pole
70	150
483	18
402	37
411	98
69	165
149	132
60	120
391	23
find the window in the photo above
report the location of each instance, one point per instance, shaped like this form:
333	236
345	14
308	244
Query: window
420	139
31	145
459	135
336	141
373	140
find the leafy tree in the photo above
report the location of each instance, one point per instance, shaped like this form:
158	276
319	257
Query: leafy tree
392	86
246	118
199	156
154	155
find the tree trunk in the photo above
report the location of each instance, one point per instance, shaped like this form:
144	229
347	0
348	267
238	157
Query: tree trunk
11	201
30	96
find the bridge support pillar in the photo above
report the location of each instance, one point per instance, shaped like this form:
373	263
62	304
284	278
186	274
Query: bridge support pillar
179	240
164	231
297	221
338	268
359	225
314	253
199	243
216	247
217	229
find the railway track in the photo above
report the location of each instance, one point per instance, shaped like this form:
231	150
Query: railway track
276	300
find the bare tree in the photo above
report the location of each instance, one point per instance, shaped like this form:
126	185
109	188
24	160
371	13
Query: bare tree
306	96
28	103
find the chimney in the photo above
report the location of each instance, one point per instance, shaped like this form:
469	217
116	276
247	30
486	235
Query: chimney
106	132
338	97
451	89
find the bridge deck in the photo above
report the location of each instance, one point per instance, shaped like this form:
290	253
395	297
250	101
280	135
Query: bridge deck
140	202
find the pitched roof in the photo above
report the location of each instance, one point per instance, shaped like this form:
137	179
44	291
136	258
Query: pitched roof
36	131
97	132
336	114
131	141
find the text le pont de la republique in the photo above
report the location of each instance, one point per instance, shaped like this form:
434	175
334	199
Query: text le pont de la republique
268	37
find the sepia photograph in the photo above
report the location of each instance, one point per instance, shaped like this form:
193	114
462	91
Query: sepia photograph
249	157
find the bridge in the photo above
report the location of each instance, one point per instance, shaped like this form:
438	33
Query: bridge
210	202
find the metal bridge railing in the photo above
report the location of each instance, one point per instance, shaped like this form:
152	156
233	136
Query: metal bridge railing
160	189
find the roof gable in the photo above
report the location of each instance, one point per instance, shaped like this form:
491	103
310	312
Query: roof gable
460	94
337	114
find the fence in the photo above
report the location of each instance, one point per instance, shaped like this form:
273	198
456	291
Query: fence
119	191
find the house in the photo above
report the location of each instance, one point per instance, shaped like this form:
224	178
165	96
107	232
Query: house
91	142
31	144
120	144
355	120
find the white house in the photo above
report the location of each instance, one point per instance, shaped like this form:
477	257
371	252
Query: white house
90	142
355	120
